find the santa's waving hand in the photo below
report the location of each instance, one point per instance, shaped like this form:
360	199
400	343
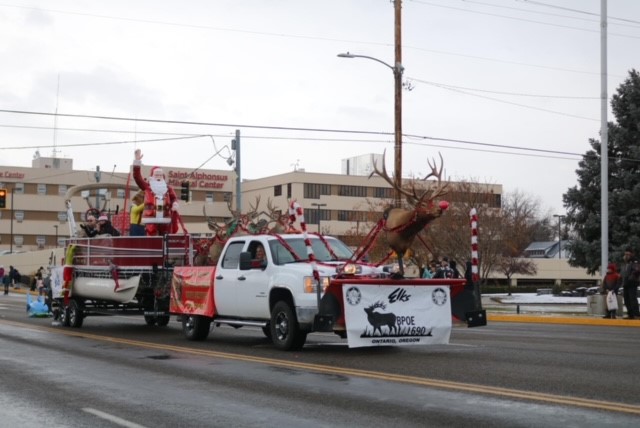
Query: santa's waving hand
159	199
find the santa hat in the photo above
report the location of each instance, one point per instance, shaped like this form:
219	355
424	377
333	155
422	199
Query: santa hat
153	170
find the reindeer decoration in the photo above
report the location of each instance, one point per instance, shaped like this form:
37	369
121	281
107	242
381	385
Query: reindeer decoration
402	225
208	250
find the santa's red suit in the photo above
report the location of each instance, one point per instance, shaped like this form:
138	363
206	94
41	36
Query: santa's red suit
160	214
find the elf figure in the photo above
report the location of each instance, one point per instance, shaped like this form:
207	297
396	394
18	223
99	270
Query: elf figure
160	214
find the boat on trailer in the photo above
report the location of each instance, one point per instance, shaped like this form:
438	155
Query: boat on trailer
107	275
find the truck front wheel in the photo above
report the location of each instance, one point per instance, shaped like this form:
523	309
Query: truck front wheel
195	327
285	332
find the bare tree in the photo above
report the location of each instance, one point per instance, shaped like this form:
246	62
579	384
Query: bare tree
510	266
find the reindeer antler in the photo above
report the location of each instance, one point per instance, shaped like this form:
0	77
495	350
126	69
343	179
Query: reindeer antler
413	198
254	209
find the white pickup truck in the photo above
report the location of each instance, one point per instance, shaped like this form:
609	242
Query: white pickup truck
278	293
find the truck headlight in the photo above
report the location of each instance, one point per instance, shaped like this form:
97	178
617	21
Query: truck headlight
310	284
350	269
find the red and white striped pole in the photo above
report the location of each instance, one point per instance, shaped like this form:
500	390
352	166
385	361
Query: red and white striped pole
296	211
474	245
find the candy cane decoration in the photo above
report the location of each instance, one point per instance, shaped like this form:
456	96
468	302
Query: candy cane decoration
474	245
296	210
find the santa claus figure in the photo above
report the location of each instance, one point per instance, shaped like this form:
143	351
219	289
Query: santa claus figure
160	214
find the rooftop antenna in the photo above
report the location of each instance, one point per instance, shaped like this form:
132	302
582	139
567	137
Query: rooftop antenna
55	121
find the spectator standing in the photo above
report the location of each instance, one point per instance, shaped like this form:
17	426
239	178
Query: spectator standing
630	279
14	276
4	280
444	271
610	285
455	273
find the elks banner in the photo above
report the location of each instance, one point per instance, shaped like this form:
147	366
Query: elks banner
192	291
383	315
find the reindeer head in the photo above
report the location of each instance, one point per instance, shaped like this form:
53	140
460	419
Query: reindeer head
403	224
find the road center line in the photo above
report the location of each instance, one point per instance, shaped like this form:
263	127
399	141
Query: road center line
112	418
412	380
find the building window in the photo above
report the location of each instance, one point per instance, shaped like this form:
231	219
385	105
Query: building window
208	197
62	216
42	189
120	193
313	191
289	190
40	240
62	189
18	240
277	190
354	191
383	192
18	188
19	216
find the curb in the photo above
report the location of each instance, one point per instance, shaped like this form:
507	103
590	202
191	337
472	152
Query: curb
543	319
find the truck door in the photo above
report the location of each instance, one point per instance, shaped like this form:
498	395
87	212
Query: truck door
253	296
225	285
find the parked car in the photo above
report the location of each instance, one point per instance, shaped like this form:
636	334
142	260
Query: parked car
593	290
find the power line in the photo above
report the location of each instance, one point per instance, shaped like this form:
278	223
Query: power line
519	94
552	14
414	136
578	11
294	36
516	104
107	143
523	19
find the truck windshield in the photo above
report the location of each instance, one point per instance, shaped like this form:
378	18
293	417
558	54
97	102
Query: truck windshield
281	255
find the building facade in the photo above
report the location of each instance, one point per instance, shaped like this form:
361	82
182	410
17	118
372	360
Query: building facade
36	217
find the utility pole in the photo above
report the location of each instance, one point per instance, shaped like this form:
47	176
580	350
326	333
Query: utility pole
235	145
397	74
97	175
604	144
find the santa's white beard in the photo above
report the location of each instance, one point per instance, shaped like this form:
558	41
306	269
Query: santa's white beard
158	187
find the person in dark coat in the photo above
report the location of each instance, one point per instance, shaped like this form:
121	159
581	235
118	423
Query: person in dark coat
105	227
630	279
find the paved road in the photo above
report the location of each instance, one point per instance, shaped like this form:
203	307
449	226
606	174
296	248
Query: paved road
505	374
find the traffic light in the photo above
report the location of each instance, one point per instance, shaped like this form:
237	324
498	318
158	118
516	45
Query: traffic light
3	198
184	191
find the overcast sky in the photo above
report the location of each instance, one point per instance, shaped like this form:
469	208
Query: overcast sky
488	76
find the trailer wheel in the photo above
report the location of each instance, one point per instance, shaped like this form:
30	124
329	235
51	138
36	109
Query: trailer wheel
150	320
64	316
196	327
285	332
76	315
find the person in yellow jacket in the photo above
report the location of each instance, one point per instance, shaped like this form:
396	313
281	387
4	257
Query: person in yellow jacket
136	228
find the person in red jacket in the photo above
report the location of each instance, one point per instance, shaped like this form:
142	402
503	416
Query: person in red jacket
160	214
611	284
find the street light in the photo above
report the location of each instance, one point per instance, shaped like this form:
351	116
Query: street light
318	206
559	217
56	241
398	69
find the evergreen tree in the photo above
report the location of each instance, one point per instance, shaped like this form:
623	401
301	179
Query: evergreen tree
583	201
